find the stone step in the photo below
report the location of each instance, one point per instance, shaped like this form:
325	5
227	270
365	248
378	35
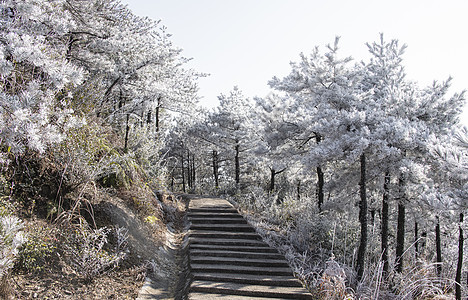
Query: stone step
213	210
233	248
218	221
215	268
211	296
236	261
227	242
250	290
224	235
196	215
240	254
223	227
248	279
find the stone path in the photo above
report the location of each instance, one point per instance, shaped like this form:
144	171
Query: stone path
229	260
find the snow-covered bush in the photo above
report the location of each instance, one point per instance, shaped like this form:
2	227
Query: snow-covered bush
421	282
11	239
38	252
333	282
86	249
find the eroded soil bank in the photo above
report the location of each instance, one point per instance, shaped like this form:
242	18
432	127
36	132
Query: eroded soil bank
153	252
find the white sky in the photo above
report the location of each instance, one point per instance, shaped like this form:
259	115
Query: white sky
247	42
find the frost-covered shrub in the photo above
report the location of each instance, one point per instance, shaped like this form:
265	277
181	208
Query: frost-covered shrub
305	228
313	234
146	146
256	200
11	234
333	282
85	248
94	153
421	282
37	253
11	239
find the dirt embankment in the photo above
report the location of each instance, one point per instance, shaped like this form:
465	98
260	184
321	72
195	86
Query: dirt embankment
153	268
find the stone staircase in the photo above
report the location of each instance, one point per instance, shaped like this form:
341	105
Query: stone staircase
229	260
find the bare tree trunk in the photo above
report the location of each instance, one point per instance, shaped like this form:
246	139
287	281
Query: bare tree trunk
273	173
384	233
298	190
120	100
423	242
438	248
127	130
362	219
172	182
458	275
416	240
149	119
320	184
189	170
158	105
237	164
272	179
320	179
193	170
400	246
183	173
216	168
142	117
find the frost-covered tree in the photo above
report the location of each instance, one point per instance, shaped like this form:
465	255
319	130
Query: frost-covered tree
193	158
230	127
452	180
411	116
131	62
326	88
37	81
321	86
385	78
215	152
276	129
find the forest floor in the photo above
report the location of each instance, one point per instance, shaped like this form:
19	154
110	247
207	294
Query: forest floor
147	256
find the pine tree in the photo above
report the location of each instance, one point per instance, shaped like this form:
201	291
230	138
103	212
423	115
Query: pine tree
329	92
451	155
230	126
321	87
411	116
276	128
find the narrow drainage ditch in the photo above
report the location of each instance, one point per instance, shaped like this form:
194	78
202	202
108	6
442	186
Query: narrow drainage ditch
169	277
182	260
